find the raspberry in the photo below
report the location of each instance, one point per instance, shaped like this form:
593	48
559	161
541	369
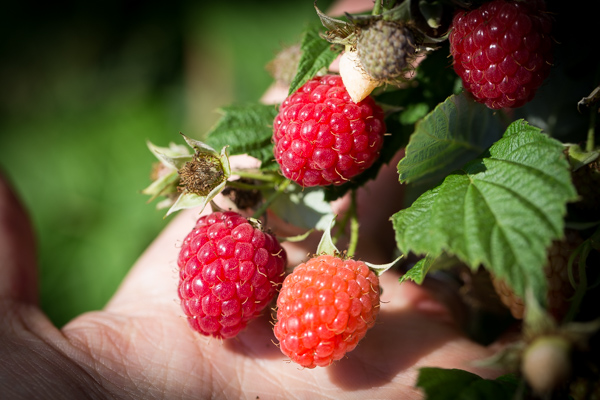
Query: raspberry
324	308
385	49
229	271
560	289
546	363
322	137
502	51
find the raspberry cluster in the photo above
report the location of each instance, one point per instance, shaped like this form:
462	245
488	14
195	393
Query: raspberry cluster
322	137
229	272
502	51
324	308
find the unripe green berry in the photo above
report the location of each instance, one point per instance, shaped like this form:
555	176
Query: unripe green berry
385	49
546	363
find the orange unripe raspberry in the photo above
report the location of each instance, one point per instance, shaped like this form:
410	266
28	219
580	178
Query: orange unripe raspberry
324	308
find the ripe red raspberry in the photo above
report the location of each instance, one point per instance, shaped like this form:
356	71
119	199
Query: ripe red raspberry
502	51
229	271
324	309
322	137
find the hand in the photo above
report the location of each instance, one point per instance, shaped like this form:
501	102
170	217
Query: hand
140	346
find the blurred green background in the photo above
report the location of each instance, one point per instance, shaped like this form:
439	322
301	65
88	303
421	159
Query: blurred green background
84	85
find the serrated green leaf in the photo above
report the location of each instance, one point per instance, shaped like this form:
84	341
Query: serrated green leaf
455	132
428	264
316	55
501	210
418	271
246	129
456	384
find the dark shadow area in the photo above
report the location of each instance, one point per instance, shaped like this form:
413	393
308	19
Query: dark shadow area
257	340
394	344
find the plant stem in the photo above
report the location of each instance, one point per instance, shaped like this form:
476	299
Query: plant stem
590	145
377	8
256	175
246	186
263	208
354	225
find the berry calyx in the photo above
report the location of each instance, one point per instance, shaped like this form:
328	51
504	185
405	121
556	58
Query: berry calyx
201	175
229	271
324	308
188	180
324	138
502	51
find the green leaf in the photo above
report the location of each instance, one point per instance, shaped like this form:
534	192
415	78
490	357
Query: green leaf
456	384
418	271
316	55
428	264
303	208
455	132
501	210
246	129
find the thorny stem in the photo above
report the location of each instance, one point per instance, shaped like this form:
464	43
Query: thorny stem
263	208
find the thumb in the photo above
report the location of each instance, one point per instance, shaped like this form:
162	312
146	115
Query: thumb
18	274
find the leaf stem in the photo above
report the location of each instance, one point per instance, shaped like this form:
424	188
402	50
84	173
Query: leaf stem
247	186
377	8
354	225
256	175
590	145
263	208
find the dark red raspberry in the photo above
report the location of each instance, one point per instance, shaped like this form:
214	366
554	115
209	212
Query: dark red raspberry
502	51
324	308
322	137
560	290
229	271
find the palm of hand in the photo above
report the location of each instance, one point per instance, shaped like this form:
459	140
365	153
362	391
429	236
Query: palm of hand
140	346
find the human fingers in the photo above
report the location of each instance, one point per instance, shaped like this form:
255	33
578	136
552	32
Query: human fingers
18	275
